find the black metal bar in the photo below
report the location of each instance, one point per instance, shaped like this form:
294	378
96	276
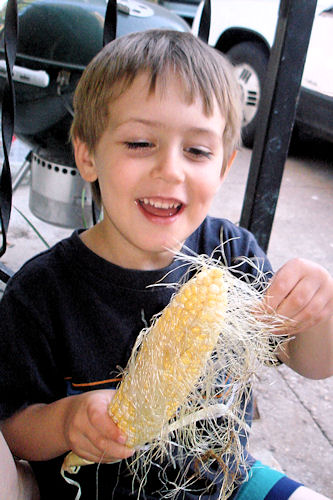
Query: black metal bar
110	22
276	116
8	118
5	273
205	20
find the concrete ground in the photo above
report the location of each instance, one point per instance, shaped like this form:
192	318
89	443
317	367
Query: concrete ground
295	428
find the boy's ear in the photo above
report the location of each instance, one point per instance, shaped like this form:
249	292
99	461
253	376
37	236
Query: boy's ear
227	168
84	161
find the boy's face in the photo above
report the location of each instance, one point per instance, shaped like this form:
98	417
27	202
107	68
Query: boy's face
158	164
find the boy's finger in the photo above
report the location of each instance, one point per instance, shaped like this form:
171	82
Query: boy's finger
96	447
87	450
116	451
102	457
110	431
101	422
298	299
320	309
278	290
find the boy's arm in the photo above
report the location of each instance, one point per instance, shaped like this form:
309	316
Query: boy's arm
310	353
303	291
79	423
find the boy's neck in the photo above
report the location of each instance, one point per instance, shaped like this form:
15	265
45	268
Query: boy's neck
98	242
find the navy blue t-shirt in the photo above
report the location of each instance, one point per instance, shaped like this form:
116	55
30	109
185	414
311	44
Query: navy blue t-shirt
69	320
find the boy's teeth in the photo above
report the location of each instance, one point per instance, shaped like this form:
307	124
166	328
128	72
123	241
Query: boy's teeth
160	204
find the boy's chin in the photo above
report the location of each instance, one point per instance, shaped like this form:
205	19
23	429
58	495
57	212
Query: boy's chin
170	247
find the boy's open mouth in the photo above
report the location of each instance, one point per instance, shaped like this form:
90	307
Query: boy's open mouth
160	208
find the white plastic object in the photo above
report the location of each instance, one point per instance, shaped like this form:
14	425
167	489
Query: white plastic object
38	78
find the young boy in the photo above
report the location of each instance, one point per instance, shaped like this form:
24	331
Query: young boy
157	121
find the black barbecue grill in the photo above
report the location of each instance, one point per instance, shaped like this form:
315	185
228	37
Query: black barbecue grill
57	39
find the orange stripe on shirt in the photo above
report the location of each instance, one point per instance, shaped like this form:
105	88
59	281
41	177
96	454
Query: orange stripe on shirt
100	382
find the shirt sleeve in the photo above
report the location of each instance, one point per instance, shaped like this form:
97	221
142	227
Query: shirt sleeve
236	247
28	364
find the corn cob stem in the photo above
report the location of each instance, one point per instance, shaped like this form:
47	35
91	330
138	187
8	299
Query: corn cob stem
73	462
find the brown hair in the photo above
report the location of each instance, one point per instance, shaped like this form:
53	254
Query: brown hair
203	71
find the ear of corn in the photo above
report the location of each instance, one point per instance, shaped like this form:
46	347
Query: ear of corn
172	356
171	359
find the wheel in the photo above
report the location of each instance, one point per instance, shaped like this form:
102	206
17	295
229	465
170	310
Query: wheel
250	63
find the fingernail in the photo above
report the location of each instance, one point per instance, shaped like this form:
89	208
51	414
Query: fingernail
122	439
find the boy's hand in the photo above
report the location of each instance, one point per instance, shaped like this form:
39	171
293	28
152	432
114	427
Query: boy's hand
302	291
90	432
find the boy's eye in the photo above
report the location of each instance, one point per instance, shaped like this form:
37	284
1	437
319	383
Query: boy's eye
199	153
138	144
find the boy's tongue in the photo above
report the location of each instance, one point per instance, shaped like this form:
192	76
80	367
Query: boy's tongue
159	211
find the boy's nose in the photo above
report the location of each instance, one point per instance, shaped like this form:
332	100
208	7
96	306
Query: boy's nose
169	166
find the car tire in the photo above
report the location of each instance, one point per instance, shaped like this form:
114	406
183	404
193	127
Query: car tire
250	63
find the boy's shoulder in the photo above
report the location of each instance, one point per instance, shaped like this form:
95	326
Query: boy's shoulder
233	246
226	228
44	266
224	235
